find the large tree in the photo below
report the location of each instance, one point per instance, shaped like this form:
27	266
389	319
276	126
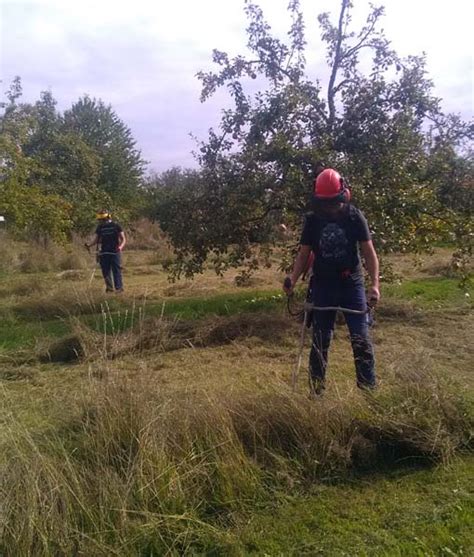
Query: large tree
65	164
30	212
374	117
121	165
85	158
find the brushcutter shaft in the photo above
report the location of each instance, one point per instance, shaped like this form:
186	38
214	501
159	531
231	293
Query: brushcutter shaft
310	307
296	370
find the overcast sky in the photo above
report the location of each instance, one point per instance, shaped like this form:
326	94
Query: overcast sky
141	56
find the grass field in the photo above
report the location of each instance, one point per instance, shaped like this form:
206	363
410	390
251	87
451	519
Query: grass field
162	422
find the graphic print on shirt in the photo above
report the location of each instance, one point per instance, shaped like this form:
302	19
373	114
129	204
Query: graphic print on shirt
333	243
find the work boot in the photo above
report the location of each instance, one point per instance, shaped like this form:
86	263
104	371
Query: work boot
368	387
316	388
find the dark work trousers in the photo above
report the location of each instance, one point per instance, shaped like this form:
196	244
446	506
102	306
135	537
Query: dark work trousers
347	292
110	265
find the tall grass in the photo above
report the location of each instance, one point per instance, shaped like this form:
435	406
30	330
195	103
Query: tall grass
151	470
34	258
147	235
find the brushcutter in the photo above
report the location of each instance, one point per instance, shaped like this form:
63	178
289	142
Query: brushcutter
306	314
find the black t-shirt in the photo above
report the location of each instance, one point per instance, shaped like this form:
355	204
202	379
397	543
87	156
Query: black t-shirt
334	240
108	233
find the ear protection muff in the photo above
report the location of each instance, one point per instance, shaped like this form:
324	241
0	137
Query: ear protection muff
345	190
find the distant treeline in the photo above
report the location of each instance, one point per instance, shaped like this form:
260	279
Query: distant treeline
410	165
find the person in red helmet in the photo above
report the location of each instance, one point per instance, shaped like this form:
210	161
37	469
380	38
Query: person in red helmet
334	232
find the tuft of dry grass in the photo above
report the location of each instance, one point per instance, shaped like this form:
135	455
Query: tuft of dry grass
59	301
25	287
35	258
400	311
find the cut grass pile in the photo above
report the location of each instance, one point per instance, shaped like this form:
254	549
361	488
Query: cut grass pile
162	334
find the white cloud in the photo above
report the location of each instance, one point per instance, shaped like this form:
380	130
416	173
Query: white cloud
142	55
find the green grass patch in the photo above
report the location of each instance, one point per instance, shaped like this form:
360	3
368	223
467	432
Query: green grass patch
430	292
228	304
186	309
19	334
425	292
426	512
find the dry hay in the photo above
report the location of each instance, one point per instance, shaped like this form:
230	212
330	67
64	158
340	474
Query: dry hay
166	334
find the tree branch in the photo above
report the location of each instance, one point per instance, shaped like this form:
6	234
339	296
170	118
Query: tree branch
358	46
342	83
336	65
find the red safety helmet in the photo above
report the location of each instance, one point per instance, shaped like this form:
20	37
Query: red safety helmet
331	187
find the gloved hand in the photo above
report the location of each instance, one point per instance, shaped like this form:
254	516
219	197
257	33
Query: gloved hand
373	296
288	286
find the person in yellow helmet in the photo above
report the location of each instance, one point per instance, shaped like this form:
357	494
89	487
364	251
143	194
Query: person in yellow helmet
110	241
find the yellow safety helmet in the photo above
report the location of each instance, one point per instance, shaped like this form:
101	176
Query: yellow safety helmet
103	214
